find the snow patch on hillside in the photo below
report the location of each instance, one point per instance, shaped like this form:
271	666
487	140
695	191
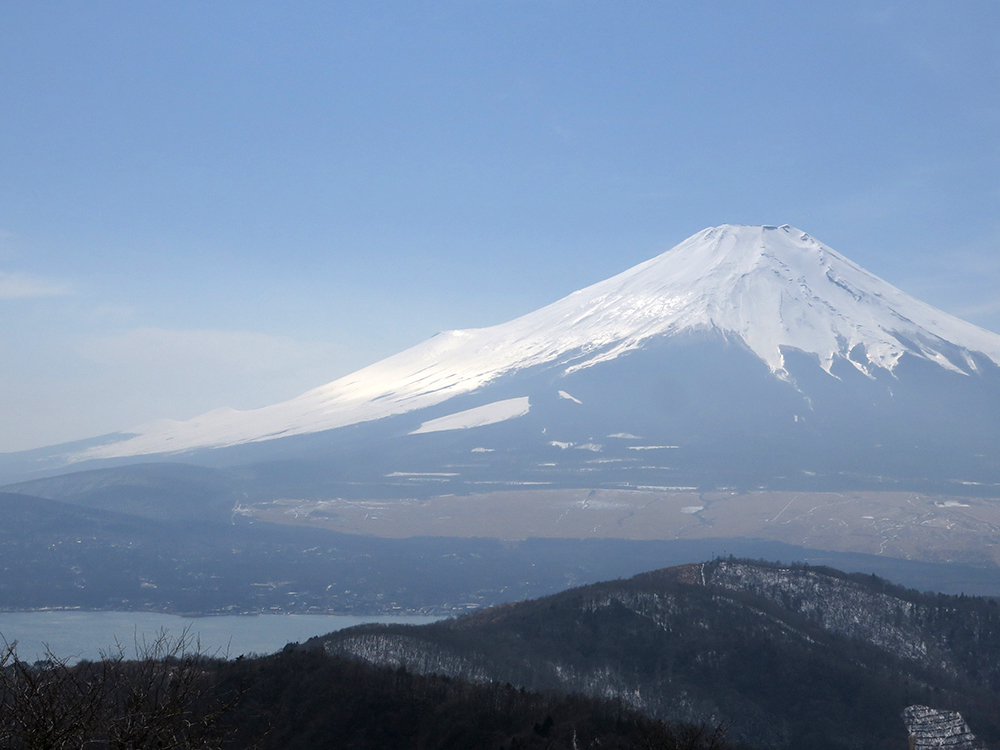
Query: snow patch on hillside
498	411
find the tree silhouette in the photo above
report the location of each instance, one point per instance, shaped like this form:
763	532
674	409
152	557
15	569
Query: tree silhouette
160	700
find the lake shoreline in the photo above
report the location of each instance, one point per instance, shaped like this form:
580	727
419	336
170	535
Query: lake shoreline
438	612
88	634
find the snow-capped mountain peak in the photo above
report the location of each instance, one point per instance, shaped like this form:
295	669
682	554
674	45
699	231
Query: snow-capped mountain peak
768	287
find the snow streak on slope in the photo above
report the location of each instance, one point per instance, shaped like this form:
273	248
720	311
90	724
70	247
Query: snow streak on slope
766	287
498	411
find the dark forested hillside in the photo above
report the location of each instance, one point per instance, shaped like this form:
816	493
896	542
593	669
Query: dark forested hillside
301	699
791	656
780	656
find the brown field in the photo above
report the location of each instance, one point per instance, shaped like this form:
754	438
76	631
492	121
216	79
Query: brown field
896	524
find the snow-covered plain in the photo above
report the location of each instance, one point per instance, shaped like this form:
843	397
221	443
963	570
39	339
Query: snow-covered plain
765	287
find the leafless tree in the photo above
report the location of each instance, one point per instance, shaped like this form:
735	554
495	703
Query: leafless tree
160	700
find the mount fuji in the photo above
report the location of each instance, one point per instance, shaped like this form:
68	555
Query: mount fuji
744	357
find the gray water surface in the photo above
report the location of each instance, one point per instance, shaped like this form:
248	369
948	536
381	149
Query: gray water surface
75	634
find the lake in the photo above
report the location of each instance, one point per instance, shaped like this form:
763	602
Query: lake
76	634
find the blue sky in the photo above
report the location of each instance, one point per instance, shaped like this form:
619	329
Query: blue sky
209	204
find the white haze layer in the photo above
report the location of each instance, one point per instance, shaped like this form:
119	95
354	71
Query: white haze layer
766	287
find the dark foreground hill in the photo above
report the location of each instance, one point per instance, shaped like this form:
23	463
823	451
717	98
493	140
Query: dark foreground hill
301	699
789	657
776	656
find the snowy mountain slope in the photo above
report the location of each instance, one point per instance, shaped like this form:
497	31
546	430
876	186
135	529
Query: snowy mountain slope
479	416
772	290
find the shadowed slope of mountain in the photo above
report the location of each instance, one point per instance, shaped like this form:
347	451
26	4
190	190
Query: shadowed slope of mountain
791	656
691	411
164	491
303	699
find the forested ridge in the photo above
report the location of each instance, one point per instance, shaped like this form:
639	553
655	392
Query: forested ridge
790	656
726	654
303	698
